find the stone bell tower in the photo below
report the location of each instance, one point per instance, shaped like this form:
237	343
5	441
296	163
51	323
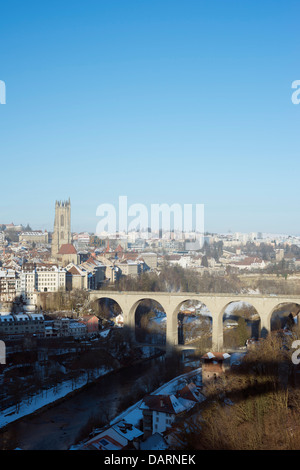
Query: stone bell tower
62	226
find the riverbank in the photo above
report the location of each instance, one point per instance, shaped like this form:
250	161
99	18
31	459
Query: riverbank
59	392
134	414
59	426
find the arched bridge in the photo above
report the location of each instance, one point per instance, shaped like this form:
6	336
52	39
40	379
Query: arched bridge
216	303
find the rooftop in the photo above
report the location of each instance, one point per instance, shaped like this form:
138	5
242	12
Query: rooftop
67	249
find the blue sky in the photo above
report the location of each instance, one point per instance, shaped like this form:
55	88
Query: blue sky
161	101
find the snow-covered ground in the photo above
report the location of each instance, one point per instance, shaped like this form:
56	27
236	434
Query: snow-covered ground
133	414
200	310
32	404
28	406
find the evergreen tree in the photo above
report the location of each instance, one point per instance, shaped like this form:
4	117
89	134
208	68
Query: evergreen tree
242	331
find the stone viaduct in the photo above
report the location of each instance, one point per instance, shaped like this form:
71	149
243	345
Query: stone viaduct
216	303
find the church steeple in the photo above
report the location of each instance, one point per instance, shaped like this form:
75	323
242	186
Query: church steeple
62	226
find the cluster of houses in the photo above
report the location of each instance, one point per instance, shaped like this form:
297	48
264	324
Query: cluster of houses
17	325
158	414
29	266
152	426
26	270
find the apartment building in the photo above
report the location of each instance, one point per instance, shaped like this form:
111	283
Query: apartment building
159	412
13	325
37	237
40	278
63	327
8	285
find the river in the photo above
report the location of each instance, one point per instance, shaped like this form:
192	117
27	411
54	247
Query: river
57	427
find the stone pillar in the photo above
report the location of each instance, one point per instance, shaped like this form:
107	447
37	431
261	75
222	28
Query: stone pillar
129	321
265	325
217	332
172	329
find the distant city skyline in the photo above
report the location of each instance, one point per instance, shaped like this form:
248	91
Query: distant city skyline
165	101
50	228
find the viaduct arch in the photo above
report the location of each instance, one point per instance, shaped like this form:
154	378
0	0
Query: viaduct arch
216	303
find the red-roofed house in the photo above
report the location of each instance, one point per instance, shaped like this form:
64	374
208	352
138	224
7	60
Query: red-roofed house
213	365
92	323
159	412
76	278
67	254
190	392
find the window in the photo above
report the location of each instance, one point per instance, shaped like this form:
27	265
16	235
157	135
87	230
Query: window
104	442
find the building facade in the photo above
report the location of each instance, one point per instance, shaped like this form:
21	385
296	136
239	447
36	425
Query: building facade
8	285
44	278
38	237
15	325
62	226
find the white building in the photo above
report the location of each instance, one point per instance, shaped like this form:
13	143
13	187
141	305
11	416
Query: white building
63	327
40	279
13	325
159	412
37	237
8	279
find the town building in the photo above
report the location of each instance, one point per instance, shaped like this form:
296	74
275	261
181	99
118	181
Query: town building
112	271
13	228
17	325
39	278
63	327
214	364
81	240
120	436
8	285
76	278
150	259
92	323
38	237
128	268
67	253
62	226
96	272
159	412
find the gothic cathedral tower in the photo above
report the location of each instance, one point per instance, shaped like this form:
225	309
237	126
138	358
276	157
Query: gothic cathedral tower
62	226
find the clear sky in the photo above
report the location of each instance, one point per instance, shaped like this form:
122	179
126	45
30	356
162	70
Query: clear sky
164	101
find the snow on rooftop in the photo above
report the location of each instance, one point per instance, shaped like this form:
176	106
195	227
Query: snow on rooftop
177	406
4	318
127	430
21	316
104	333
